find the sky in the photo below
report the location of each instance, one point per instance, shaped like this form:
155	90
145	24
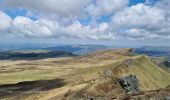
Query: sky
111	22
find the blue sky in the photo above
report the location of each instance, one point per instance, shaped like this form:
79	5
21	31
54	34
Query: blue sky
137	22
134	2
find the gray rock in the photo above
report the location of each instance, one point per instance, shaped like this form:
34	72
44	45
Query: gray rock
129	83
128	62
109	73
161	61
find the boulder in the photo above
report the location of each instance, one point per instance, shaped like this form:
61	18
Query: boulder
130	84
161	61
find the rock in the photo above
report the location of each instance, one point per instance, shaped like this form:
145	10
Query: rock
129	51
161	61
109	73
130	84
128	62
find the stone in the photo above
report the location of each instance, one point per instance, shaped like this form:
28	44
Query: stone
130	83
109	73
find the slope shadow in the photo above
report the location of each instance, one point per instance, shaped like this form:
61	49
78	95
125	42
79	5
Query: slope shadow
28	87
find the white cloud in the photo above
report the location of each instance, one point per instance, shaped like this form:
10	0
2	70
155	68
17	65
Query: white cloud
140	34
5	21
59	19
139	15
102	7
60	7
27	27
141	22
163	4
24	26
100	32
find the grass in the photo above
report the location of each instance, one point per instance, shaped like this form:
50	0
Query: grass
150	75
25	76
83	69
10	71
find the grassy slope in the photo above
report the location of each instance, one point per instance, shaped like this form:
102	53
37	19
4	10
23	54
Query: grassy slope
89	67
18	71
150	75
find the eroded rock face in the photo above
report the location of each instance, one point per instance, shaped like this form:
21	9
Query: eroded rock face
120	69
109	73
129	83
128	51
161	61
128	62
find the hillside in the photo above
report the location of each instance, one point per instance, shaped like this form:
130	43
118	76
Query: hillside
150	75
160	51
78	49
92	76
104	85
32	54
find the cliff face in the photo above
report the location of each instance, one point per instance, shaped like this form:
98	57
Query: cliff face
161	61
130	84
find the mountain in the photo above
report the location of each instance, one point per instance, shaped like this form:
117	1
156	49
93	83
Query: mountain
11	47
161	51
159	54
78	49
103	75
104	84
33	54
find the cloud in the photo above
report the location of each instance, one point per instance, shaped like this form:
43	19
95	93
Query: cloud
60	7
163	4
68	8
61	19
139	15
98	33
141	21
139	34
102	7
27	27
44	28
5	21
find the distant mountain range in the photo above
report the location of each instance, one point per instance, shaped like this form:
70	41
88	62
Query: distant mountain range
41	52
76	49
155	51
28	55
160	51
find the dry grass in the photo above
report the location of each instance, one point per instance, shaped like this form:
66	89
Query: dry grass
78	73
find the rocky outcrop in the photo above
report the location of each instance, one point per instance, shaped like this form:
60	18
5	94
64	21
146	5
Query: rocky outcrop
128	52
120	68
161	61
109	73
130	84
128	62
